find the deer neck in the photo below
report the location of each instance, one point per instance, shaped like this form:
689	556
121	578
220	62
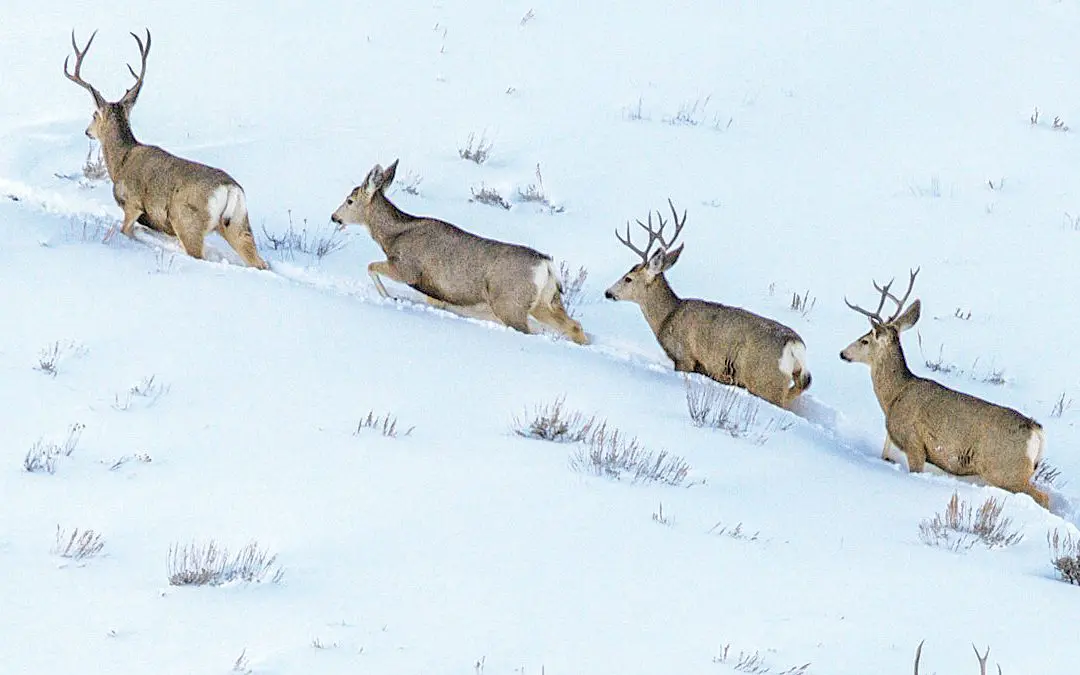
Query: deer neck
386	221
890	374
116	145
659	303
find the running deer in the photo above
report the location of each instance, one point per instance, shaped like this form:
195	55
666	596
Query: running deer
156	189
453	267
727	344
958	433
981	657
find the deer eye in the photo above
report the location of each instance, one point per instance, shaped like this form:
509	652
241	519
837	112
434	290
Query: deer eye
349	201
628	279
865	341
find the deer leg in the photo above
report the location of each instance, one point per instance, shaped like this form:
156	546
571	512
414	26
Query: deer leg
127	227
1040	497
556	317
916	458
885	450
239	236
191	240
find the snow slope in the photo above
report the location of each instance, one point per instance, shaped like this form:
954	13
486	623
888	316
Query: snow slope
835	145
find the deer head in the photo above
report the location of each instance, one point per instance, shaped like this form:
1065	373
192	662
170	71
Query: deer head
353	209
883	332
110	119
635	284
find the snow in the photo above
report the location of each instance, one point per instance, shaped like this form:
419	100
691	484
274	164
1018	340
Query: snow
837	144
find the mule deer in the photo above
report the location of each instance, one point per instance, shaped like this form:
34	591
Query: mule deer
981	657
958	433
159	190
453	267
727	344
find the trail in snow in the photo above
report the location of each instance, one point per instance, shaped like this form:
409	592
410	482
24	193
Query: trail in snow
825	421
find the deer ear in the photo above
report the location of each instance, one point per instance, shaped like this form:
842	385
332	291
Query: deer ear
672	258
370	183
656	262
908	318
388	175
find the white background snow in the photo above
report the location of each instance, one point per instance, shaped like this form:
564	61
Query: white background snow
839	142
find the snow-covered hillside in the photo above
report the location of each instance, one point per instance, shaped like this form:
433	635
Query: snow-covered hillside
815	148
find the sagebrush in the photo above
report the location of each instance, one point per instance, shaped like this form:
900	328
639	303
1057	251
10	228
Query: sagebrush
208	564
387	425
960	527
730	410
78	544
1065	555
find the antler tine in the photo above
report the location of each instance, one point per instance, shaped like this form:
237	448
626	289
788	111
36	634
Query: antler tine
875	317
982	659
900	301
656	234
628	244
76	77
918	655
144	50
678	225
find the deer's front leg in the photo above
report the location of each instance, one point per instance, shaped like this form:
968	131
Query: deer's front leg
389	269
885	450
916	458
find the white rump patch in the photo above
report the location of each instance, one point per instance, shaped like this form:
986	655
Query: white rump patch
544	279
1036	445
226	203
793	358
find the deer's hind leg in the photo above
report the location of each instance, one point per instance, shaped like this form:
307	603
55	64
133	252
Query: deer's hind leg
239	236
555	315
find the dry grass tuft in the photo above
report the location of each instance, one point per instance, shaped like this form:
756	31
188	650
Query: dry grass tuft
960	527
573	285
729	409
77	545
43	455
553	422
1065	555
385	425
209	565
488	196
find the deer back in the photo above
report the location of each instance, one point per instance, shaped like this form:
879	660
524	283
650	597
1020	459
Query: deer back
442	260
729	344
963	434
170	189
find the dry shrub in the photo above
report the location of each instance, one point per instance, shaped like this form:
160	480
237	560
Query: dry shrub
43	455
603	450
1065	555
78	545
729	409
207	564
385	425
572	283
553	422
960	527
612	453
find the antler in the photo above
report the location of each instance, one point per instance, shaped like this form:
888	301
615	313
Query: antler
886	294
655	234
144	50
99	100
981	657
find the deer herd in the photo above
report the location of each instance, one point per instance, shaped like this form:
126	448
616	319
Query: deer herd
928	422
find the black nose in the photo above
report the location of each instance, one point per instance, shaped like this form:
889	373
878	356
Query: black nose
609	295
335	219
844	358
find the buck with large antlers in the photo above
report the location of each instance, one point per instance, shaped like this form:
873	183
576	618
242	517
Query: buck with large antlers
727	344
159	190
453	267
981	657
929	422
